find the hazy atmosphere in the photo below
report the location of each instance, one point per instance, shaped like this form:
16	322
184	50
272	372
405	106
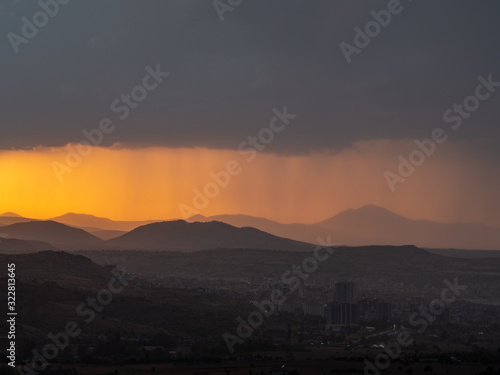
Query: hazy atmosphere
249	187
353	120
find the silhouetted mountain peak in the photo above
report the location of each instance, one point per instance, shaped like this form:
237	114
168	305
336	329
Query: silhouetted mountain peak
48	225
98	223
198	217
371	210
182	235
71	216
9	214
370	213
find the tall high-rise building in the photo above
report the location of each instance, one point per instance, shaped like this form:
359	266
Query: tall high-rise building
343	292
383	310
340	313
343	309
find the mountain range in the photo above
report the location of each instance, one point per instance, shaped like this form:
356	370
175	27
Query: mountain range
373	225
175	235
368	225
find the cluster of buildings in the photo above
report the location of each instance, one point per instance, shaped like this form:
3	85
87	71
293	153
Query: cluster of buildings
353	302
345	310
338	308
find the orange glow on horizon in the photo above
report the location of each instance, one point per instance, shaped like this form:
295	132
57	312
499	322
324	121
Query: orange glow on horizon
151	183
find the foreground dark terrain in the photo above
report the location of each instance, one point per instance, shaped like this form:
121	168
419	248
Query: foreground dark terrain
172	310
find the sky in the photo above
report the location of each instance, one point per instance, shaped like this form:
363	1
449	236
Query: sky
223	81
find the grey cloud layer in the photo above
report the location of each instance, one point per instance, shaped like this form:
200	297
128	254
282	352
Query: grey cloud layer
225	76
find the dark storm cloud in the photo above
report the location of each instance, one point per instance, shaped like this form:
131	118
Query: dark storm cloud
227	76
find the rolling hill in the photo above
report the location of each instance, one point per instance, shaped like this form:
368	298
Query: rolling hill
13	246
99	223
9	214
56	266
395	263
52	284
8	218
299	232
56	234
105	234
181	235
